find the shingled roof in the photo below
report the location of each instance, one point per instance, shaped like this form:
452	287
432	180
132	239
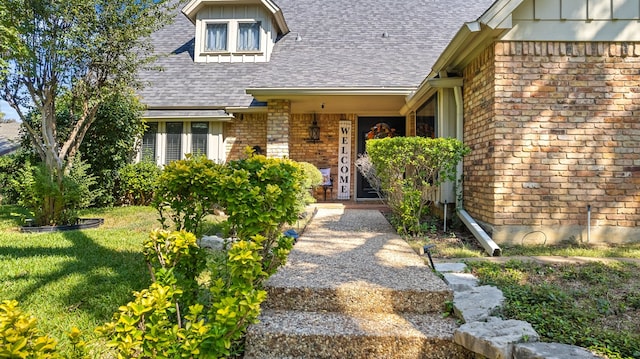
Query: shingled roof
9	137
342	46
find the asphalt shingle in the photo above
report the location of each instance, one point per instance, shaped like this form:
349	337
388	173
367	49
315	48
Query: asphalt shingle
342	47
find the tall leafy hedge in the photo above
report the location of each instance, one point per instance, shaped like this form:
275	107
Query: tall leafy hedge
407	171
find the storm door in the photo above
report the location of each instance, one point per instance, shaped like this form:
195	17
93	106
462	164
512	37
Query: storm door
375	127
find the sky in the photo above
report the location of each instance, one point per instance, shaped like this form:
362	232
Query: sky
9	113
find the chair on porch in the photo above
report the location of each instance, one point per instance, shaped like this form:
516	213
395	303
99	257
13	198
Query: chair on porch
327	182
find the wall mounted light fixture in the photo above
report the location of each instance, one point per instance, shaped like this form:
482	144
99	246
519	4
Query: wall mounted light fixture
314	131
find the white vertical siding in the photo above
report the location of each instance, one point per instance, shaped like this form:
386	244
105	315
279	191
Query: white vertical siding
576	20
233	14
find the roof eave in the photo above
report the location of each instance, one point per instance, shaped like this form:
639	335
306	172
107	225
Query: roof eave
499	14
267	93
191	10
225	118
250	109
471	37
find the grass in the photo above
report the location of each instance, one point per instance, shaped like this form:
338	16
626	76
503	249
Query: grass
594	305
630	250
74	278
458	242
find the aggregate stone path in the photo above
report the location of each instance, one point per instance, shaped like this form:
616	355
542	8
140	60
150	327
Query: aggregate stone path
353	288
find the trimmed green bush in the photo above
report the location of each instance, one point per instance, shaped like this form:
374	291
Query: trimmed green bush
137	182
187	191
153	325
312	179
407	171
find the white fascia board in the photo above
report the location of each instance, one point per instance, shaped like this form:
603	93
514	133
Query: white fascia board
260	109
263	94
459	41
419	96
425	88
190	10
190	118
498	14
445	83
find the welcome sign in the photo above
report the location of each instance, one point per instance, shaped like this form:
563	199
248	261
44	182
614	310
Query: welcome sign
344	160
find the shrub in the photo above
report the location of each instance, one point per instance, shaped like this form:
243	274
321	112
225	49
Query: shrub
137	183
151	325
407	171
20	337
312	179
260	195
187	191
10	166
176	252
53	203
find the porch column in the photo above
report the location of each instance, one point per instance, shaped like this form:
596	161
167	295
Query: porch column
278	119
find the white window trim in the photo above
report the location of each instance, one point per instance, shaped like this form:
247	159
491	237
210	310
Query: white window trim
215	141
233	32
260	35
205	24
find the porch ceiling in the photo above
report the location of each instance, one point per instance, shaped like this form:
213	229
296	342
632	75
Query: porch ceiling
357	101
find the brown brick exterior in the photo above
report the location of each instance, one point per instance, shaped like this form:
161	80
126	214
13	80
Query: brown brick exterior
246	130
479	132
278	118
251	130
323	154
553	128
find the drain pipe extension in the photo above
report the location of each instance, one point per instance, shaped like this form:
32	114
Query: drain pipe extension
485	240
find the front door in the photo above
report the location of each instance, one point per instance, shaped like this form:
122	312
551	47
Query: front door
365	125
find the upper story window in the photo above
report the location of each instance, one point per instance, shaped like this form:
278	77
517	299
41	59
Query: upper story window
235	30
216	36
249	36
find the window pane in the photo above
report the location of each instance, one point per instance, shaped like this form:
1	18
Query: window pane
249	36
199	134
426	119
216	37
148	149
174	141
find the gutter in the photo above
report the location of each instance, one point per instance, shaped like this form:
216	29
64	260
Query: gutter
485	240
262	93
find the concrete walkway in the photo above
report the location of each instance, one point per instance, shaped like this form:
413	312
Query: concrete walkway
353	288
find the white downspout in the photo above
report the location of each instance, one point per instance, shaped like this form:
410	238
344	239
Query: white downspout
487	243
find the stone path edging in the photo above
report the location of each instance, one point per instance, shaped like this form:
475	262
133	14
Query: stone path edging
490	336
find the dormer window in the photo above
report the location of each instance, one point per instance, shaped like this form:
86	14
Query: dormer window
217	39
216	36
235	30
249	36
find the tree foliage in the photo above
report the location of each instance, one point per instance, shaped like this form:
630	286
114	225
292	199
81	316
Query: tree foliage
89	49
109	144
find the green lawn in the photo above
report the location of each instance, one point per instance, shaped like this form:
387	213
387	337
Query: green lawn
74	278
594	305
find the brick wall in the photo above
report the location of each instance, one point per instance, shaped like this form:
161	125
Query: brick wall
561	133
246	130
278	119
323	154
479	133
